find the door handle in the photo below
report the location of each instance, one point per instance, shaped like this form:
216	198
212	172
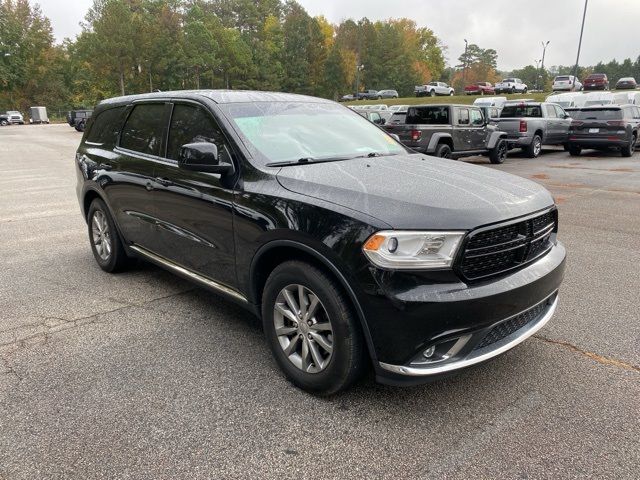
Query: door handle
165	182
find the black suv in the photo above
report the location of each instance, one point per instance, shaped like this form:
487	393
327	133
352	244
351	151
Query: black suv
450	131
604	127
352	250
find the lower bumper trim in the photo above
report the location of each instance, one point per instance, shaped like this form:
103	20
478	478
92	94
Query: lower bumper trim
478	356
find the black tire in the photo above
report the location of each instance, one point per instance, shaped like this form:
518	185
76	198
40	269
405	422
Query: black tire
117	260
348	359
443	151
498	154
575	150
630	148
535	147
432	93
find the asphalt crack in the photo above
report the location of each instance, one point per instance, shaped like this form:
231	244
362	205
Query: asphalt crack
601	359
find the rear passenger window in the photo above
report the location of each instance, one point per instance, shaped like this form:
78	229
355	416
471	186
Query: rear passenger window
463	116
106	126
144	129
190	124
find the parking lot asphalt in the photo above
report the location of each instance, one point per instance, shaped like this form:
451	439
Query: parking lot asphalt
143	375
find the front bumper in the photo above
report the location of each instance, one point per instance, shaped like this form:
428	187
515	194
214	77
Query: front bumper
415	313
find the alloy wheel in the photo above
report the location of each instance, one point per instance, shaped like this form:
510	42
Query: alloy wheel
101	235
303	328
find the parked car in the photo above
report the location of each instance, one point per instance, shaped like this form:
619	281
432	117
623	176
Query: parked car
597	98
284	204
566	83
479	88
398	108
510	85
11	117
432	89
490	102
596	81
372	115
78	119
450	131
626	83
38	115
347	98
530	125
568	99
605	127
368	95
387	94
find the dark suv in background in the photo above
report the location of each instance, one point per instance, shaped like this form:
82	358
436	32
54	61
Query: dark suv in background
605	127
352	250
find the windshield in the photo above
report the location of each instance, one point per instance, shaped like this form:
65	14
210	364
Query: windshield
289	131
598	114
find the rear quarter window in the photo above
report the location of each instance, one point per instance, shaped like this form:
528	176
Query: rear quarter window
106	126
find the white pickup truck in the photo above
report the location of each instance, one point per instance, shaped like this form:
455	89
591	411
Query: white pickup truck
511	85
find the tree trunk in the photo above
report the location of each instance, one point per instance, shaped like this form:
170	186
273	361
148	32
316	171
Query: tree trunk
122	82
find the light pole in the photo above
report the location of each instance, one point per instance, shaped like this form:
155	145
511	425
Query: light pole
537	72
584	15
544	50
464	62
358	69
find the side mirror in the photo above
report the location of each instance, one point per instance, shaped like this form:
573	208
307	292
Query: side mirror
202	157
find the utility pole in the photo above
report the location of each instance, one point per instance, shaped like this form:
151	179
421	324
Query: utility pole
544	50
464	63
584	15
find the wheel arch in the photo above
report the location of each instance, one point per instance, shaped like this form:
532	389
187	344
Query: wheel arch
272	254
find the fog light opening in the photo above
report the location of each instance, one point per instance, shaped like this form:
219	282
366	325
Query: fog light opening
428	353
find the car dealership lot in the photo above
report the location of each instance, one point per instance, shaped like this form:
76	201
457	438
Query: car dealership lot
143	375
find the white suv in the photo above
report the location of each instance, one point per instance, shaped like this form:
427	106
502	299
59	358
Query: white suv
567	83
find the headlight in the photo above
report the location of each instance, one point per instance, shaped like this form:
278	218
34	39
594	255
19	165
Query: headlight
412	250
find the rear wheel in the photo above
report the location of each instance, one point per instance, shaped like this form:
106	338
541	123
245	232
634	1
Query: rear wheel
443	151
535	147
106	244
311	330
575	150
499	153
630	148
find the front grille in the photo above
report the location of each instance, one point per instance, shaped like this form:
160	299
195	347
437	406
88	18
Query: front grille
500	249
512	325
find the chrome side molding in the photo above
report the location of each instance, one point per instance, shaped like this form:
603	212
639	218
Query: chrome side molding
191	275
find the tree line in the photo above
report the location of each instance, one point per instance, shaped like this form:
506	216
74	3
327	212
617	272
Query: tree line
134	46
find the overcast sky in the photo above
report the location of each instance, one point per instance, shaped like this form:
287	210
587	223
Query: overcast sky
514	28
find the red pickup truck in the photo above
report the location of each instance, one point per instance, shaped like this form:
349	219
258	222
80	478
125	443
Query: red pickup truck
479	88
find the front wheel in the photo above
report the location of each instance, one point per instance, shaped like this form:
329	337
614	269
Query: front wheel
311	329
499	153
535	147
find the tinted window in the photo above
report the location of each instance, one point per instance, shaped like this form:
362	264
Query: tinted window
106	126
428	116
144	129
190	124
515	111
598	114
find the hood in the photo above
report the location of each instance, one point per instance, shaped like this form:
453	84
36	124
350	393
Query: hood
417	191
